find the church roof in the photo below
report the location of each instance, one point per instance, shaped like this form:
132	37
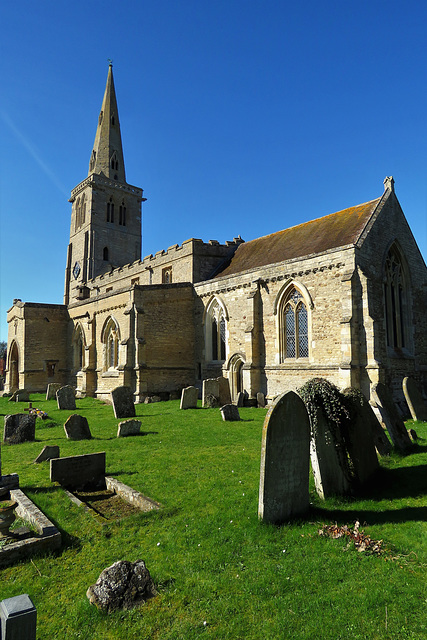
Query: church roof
332	231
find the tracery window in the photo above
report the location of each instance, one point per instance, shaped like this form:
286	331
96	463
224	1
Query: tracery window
167	275
216	331
111	340
293	326
110	210
79	349
395	297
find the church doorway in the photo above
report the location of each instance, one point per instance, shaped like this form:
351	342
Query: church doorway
13	367
236	375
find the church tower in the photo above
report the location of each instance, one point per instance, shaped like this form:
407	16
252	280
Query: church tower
106	211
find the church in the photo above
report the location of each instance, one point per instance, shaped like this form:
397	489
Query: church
341	297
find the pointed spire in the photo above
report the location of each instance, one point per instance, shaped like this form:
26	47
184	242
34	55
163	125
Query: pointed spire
107	155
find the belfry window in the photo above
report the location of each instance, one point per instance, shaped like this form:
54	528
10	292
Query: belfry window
105	254
395	298
216	332
293	326
110	210
122	214
114	162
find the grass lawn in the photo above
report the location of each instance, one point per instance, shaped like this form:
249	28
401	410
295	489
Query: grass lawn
211	559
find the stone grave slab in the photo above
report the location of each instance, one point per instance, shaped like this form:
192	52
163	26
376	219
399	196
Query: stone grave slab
285	460
47	453
129	428
77	428
123	402
189	397
389	415
19	427
66	398
361	447
230	413
18	617
78	471
331	477
51	390
415	401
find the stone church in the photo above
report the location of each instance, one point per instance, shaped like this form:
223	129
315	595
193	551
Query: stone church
341	297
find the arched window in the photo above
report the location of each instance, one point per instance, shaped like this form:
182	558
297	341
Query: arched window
111	341
122	214
105	254
293	323
110	210
114	162
216	331
395	299
78	349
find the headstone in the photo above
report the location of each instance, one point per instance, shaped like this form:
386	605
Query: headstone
224	391
123	585
412	434
66	398
47	453
240	399
360	445
189	397
22	396
211	402
389	415
77	428
123	404
210	388
230	413
415	401
381	442
19	427
260	399
15	394
129	428
18	618
51	390
331	476
78	471
285	460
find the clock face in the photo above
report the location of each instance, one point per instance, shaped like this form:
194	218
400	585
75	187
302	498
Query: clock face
76	270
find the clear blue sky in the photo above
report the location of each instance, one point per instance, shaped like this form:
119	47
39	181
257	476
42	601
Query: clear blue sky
237	116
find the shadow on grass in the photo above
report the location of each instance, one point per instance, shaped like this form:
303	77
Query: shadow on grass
367	517
403	482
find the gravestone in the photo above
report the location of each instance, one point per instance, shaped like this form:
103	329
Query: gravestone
361	447
19	427
152	399
210	388
230	413
260	397
47	453
77	428
211	402
122	399
415	401
66	398
79	471
285	460
51	390
129	428
240	399
18	618
224	391
189	397
381	442
389	415
331	475
123	585
22	396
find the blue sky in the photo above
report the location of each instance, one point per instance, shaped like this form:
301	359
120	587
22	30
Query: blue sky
238	117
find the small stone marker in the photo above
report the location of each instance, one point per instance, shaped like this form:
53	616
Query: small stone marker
361	447
22	396
77	428
224	391
124	585
78	471
19	427
211	402
123	405
285	460
18	618
47	453
415	401
230	413
51	390
66	398
240	399
390	417
260	397
189	397
129	428
331	477
151	399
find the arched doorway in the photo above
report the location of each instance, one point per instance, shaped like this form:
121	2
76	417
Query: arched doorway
235	375
13	367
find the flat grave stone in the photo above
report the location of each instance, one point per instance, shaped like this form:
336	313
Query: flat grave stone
415	401
51	390
20	427
77	428
361	445
123	402
47	453
189	397
18	618
66	398
75	472
129	428
230	413
389	415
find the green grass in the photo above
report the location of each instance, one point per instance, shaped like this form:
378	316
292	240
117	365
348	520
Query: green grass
209	556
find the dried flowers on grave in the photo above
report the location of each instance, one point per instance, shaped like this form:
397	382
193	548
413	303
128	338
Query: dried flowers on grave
361	541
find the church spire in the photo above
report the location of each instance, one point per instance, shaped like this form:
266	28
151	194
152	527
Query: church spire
107	155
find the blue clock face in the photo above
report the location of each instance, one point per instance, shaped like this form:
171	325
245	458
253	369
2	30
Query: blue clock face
76	270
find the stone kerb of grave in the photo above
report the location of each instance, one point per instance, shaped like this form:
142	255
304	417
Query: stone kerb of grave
123	585
129	428
189	397
414	399
285	460
123	404
76	472
230	413
47	453
77	428
361	447
389	415
66	398
51	390
19	427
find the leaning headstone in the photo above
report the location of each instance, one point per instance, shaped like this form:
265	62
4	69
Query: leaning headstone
123	404
285	460
360	445
77	428
51	390
389	415
331	476
19	427
411	433
210	388
18	618
415	401
260	397
230	413
66	398
79	471
240	399
381	442
129	428
15	394
48	453
224	391
123	585
22	396
189	397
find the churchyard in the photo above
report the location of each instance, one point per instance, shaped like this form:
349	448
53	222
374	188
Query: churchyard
218	571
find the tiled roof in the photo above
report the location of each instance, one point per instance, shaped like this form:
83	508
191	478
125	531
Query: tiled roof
336	230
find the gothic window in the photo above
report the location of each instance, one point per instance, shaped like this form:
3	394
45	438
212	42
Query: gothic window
114	162
395	297
105	254
216	331
92	160
79	349
167	275
110	210
293	326
122	214
77	210
83	210
111	338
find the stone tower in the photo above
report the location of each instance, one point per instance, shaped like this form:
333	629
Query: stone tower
106	211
